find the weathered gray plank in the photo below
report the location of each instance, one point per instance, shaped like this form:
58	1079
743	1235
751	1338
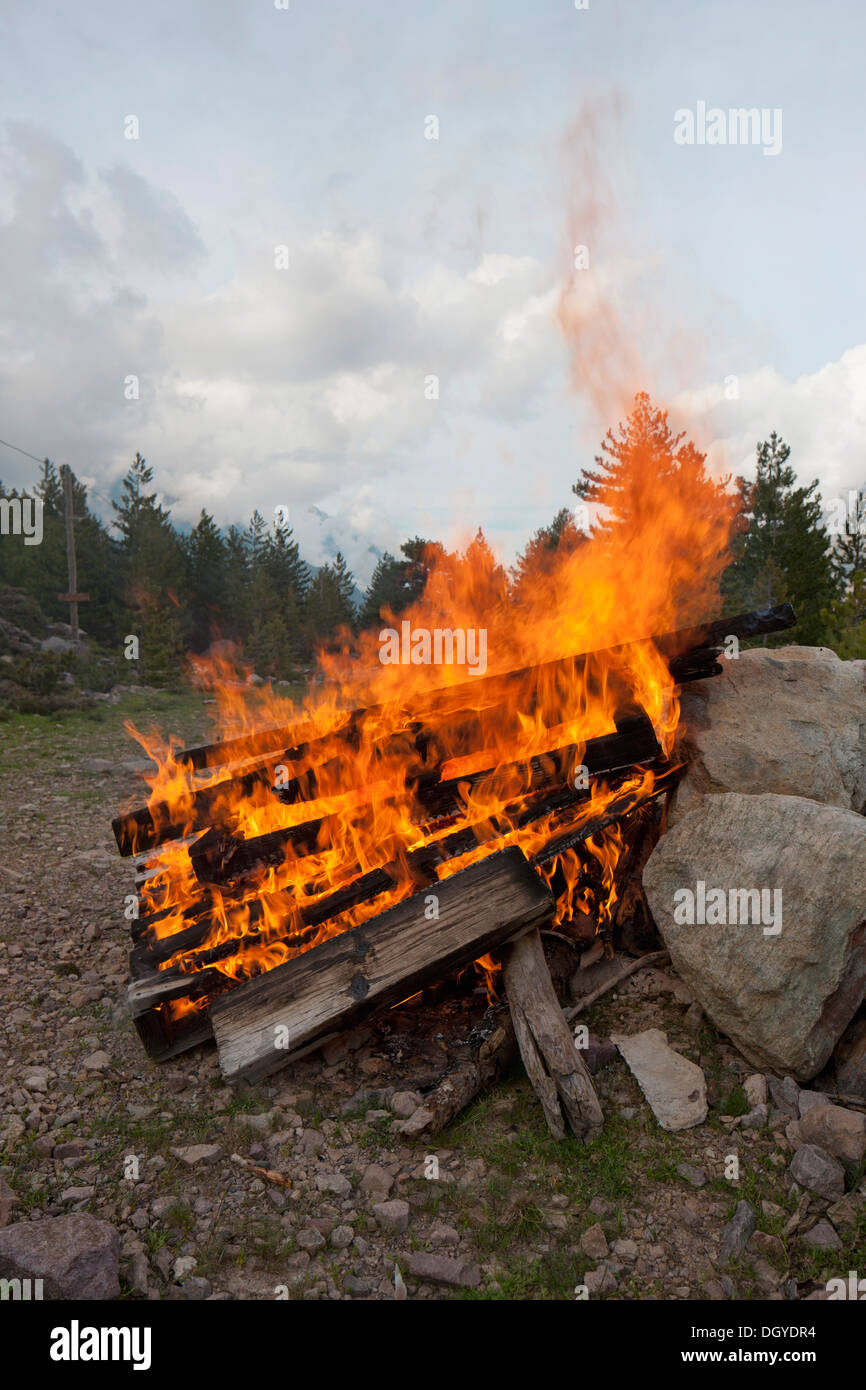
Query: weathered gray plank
263	1024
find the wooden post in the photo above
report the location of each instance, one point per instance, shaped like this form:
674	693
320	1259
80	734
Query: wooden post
71	568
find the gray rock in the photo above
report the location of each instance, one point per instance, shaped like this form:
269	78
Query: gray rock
675	1088
97	1061
783	999
197	1153
310	1239
405	1103
197	1288
76	1256
601	1280
392	1216
811	1100
818	1172
755	1087
333	1182
594	1244
839	1132
442	1234
341	1237
785	1095
737	1233
757	1118
822	1237
375	1179
445	1271
355	1286
693	1174
754	729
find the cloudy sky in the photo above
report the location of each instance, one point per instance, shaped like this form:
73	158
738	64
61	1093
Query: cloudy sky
727	281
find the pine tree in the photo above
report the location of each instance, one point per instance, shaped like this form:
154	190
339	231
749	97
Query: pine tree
207	566
151	553
560	536
849	549
395	583
330	605
784	555
637	465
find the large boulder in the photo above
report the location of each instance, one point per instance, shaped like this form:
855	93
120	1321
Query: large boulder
75	1256
790	720
784	983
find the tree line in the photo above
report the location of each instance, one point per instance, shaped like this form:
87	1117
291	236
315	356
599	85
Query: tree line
179	591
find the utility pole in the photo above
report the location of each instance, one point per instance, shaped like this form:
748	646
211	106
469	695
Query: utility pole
73	598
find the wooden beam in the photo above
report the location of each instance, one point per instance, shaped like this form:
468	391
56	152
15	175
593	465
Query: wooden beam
261	1025
559	1075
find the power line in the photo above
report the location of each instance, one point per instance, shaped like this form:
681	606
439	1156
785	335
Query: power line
25	452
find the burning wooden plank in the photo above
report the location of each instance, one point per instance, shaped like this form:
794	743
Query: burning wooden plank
297	1006
544	690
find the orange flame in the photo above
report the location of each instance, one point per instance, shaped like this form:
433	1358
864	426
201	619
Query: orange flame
651	564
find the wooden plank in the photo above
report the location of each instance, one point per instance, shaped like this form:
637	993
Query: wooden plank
558	1073
335	986
297	739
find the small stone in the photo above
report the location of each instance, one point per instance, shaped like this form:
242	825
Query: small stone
405	1103
333	1182
785	1095
376	1180
755	1087
341	1237
445	1271
819	1172
756	1118
844	1214
822	1236
599	1280
441	1234
594	1244
810	1100
392	1216
674	1087
625	1249
97	1061
310	1239
355	1286
197	1153
693	1174
737	1233
838	1131
197	1288
183	1265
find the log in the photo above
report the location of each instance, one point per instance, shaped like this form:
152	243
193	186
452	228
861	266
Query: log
143	829
219	858
459	1087
559	1075
295	742
302	918
269	1021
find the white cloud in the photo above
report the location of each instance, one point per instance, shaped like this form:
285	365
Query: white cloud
821	415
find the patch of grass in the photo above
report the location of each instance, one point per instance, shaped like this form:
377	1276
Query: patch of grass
734	1103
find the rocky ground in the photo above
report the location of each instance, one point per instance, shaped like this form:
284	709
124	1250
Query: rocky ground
167	1155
